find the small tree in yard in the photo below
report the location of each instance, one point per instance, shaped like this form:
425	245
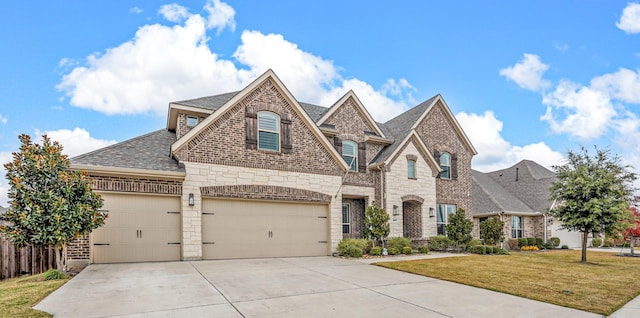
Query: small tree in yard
593	193
50	204
376	223
491	231
633	231
459	228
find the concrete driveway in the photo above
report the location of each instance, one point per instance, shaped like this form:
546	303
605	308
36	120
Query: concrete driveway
280	287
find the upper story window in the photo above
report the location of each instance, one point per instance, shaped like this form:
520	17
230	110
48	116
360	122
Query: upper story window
268	131
350	154
411	169
192	121
445	165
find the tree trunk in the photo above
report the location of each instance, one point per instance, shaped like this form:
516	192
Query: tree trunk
585	234
59	262
631	244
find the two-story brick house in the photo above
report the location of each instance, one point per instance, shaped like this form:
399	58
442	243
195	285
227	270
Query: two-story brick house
256	173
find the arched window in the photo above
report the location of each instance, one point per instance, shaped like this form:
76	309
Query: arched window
445	165
268	131
350	154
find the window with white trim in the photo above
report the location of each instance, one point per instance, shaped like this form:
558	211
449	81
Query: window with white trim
346	218
268	131
444	210
445	165
516	226
411	169
350	154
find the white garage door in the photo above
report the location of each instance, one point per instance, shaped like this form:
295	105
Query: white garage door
571	239
248	229
139	228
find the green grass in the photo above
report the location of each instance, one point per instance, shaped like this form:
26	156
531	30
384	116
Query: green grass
602	285
19	294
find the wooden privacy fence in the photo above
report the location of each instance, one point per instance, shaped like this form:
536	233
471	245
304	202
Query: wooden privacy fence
26	260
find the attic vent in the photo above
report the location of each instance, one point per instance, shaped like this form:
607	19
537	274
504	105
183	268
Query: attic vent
370	133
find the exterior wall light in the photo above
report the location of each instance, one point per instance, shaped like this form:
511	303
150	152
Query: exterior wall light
432	212
396	210
192	201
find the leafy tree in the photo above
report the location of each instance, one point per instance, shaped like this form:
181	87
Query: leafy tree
376	223
459	228
633	231
593	193
491	231
50	204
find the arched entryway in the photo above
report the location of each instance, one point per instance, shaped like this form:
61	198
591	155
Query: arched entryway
412	216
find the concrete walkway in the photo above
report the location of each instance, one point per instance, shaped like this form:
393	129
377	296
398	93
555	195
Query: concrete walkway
280	287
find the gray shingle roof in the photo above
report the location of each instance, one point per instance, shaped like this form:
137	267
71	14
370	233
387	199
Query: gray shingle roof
208	102
150	152
527	183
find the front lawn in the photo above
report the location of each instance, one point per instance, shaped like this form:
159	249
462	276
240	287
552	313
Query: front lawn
19	294
601	286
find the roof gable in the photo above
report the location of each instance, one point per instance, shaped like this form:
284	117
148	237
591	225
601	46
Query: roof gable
364	114
224	110
422	148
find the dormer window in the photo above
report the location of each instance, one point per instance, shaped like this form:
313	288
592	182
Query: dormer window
350	154
268	131
192	121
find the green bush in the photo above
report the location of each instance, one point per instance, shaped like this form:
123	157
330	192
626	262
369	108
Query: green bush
423	250
565	247
596	242
522	242
407	250
399	243
53	274
531	241
352	247
539	242
439	243
548	245
479	249
474	242
503	252
375	251
513	244
555	241
392	251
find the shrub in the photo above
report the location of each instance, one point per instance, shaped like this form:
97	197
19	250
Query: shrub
423	250
555	241
609	242
531	241
522	242
480	249
548	245
53	274
565	247
407	250
539	243
375	251
530	248
474	242
596	242
352	247
439	243
503	252
392	251
399	243
513	244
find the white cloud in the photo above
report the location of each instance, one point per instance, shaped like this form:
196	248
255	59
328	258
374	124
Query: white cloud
74	142
579	111
5	157
630	19
3	119
135	10
623	85
168	63
561	47
494	152
528	73
174	12
221	15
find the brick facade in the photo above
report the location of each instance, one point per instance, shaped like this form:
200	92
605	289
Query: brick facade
264	192
136	185
357	207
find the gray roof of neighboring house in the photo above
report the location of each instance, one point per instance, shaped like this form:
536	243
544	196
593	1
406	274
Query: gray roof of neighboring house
150	152
525	185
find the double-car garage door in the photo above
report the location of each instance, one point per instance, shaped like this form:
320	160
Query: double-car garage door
142	228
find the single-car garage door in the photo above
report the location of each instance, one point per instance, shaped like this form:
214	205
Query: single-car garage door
247	229
139	228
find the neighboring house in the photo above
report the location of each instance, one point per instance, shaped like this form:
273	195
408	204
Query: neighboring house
256	173
519	196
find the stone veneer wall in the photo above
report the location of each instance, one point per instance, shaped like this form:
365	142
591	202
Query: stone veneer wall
438	134
398	185
208	176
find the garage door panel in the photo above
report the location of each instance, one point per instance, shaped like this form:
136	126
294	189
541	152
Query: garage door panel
138	229
244	229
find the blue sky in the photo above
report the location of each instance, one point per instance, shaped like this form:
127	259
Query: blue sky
526	80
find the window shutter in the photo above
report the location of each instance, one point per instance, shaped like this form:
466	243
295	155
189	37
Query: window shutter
436	155
362	157
454	166
337	142
251	128
285	129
